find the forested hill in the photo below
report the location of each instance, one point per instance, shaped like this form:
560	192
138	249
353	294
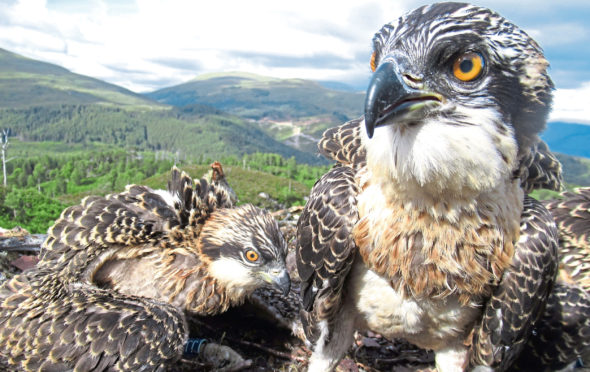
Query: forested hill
43	102
294	111
191	133
260	97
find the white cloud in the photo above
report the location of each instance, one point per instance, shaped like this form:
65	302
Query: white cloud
97	41
143	44
560	34
572	105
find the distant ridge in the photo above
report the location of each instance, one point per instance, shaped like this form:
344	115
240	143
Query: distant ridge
568	138
236	74
263	98
27	82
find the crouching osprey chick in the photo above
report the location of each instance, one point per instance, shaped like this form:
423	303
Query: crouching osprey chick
118	273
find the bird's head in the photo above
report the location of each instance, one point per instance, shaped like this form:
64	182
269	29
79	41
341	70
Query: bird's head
245	250
456	91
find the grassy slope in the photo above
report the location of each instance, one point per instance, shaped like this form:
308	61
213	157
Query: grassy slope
576	170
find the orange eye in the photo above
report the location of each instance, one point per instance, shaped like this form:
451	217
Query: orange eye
373	61
252	255
468	66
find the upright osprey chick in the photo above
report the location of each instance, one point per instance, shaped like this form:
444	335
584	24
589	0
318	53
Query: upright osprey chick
423	230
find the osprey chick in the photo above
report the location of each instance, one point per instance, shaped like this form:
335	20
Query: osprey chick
422	230
118	272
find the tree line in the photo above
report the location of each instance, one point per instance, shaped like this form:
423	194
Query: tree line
193	131
40	187
37	186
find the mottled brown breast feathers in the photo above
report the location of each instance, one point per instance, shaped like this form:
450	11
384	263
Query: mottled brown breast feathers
426	256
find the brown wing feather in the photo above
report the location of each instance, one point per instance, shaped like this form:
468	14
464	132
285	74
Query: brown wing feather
518	301
540	169
85	328
343	144
325	248
562	334
572	215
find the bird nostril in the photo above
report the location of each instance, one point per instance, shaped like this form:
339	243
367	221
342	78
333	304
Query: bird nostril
413	78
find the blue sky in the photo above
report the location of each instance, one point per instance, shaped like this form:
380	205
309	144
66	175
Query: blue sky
145	45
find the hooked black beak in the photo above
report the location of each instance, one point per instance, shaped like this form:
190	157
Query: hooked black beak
390	97
279	279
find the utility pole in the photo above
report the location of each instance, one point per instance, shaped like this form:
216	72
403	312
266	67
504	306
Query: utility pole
5	134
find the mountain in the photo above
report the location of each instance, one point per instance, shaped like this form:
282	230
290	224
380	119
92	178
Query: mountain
259	97
336	85
246	113
26	82
294	111
568	138
43	102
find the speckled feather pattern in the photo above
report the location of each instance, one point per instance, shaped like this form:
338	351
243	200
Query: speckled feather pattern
572	215
562	334
518	300
48	327
539	169
117	274
325	246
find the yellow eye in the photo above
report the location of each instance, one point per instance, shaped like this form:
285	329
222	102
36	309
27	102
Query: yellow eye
252	255
373	61
468	66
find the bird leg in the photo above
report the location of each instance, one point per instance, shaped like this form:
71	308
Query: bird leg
333	341
453	358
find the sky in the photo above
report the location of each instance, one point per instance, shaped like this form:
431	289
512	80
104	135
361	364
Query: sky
145	45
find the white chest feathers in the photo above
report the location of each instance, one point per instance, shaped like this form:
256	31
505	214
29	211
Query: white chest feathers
427	323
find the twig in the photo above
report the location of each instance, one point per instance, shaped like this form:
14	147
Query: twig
26	243
274	352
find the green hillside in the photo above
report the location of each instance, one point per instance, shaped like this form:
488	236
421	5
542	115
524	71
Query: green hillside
41	182
258	97
43	102
26	82
576	170
192	135
284	108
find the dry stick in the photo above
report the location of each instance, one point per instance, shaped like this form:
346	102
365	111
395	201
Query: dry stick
274	352
277	353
